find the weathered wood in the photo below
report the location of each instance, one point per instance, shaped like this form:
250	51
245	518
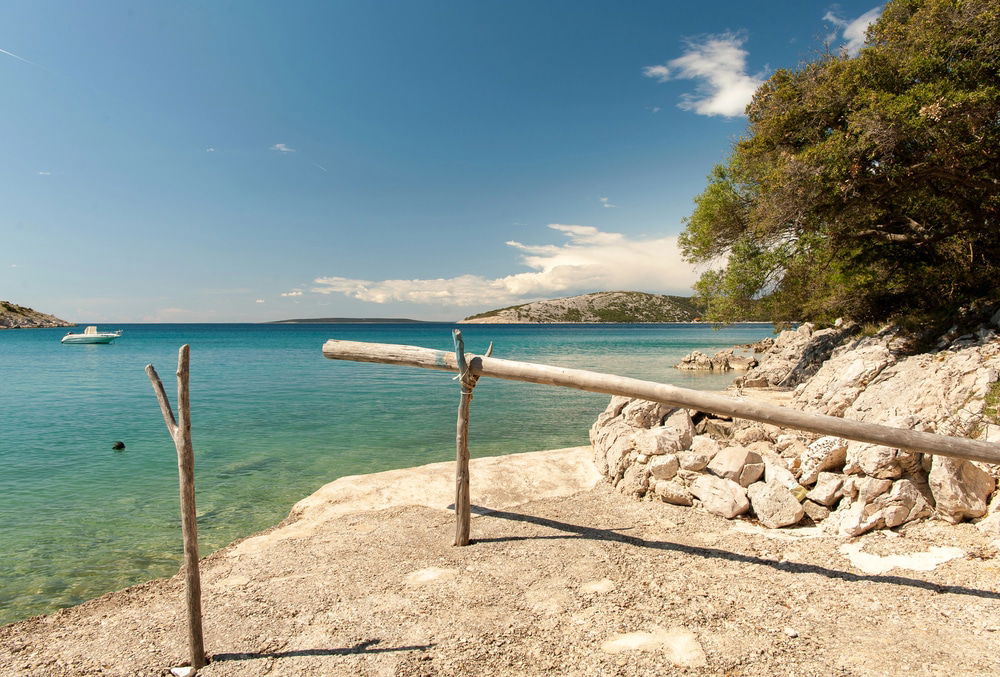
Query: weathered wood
180	432
753	410
463	501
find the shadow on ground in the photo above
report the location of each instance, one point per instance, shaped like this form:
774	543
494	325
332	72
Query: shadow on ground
577	531
367	647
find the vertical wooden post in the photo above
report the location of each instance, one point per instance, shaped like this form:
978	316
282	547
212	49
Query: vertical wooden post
180	432
463	504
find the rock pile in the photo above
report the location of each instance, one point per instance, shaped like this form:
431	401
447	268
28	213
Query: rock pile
786	477
724	360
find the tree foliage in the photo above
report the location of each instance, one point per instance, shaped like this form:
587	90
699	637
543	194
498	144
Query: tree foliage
866	187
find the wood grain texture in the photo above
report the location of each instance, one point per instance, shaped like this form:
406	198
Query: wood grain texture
579	379
180	432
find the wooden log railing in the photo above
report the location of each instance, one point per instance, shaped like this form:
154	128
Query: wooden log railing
472	367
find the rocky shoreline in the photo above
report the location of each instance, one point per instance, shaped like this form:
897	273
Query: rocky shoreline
785	477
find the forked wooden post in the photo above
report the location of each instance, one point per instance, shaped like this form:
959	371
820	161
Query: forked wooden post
181	435
463	502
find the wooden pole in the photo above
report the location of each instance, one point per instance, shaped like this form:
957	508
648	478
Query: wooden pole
180	432
463	502
580	379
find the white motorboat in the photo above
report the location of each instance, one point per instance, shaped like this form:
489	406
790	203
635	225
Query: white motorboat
91	335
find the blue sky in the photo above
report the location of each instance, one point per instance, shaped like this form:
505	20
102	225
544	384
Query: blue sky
251	161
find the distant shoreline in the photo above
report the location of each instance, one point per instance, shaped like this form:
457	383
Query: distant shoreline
350	320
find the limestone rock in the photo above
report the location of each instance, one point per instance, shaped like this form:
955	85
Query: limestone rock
645	414
904	503
673	491
844	376
738	464
749	434
876	460
718	428
663	467
960	488
720	496
634	481
865	489
815	511
794	357
991	523
703	450
826	453
774	504
828	489
705	444
695	361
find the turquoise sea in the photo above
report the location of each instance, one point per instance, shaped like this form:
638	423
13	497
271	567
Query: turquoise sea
272	421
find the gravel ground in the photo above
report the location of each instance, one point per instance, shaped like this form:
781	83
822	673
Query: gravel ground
589	584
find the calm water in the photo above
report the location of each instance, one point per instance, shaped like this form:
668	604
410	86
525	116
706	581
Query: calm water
272	421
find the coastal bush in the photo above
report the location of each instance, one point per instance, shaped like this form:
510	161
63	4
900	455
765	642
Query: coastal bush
866	187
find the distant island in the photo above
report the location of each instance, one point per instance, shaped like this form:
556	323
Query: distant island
605	306
348	320
13	316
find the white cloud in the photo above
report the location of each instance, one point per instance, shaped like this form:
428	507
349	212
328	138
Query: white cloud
294	292
209	150
719	64
661	73
590	260
259	301
853	32
606	203
282	148
44	173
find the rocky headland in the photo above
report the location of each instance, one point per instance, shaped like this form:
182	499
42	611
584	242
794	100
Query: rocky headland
13	316
607	306
783	477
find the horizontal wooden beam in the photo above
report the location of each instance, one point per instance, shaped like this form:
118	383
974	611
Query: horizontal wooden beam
911	440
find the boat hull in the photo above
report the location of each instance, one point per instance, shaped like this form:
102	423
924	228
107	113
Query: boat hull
89	338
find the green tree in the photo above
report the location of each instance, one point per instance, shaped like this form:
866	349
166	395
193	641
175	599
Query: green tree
865	187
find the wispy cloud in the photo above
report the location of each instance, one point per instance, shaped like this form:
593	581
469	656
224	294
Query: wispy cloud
44	173
282	148
852	32
294	292
209	150
719	64
19	58
605	202
590	260
320	167
259	301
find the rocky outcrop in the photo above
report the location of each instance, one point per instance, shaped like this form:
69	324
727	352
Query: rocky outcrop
795	356
784	477
724	360
13	316
607	306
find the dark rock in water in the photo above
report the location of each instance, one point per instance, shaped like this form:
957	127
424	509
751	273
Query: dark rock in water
118	446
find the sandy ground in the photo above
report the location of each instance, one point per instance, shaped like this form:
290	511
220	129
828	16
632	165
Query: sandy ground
581	582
